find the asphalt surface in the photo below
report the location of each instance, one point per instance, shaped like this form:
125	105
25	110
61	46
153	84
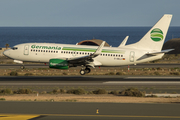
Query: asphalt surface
77	111
149	65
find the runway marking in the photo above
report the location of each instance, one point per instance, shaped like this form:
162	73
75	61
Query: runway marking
142	82
152	77
17	117
120	116
34	116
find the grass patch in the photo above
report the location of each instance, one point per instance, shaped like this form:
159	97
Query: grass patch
2	99
28	74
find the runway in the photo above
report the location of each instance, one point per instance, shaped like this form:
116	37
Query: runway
148	65
77	111
89	81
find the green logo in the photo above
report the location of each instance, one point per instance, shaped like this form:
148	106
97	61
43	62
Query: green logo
156	35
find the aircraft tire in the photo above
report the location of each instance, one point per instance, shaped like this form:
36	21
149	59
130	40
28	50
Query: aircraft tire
87	70
22	67
82	72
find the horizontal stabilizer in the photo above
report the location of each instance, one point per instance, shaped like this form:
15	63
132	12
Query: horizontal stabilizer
163	51
124	41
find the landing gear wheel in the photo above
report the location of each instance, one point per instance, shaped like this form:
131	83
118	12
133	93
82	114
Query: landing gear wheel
82	72
22	67
87	70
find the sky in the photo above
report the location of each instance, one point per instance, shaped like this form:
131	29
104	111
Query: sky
86	13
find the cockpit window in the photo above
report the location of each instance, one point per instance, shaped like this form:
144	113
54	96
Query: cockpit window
15	48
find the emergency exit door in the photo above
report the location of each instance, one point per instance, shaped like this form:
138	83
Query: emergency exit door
132	56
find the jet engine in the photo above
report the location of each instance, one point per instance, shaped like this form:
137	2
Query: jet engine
58	64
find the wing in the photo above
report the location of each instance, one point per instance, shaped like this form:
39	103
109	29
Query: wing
86	60
163	51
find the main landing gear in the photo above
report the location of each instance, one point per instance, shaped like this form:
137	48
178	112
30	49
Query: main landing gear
84	71
22	67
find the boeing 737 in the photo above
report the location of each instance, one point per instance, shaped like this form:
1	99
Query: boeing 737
64	56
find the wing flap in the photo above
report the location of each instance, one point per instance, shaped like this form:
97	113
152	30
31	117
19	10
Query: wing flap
163	51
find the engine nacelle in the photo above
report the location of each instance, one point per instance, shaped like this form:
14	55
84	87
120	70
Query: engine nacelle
58	64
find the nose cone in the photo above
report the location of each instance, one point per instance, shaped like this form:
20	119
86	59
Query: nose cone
6	53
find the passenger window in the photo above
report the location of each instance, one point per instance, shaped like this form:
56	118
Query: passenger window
121	55
56	51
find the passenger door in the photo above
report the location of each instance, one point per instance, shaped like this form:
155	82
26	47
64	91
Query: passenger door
26	50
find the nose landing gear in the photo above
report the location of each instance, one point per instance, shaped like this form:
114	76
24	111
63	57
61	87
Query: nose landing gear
84	71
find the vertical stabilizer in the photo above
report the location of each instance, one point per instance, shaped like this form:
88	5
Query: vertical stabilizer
154	38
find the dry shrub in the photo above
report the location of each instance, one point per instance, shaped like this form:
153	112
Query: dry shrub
6	91
133	92
174	73
55	91
13	73
76	91
119	73
100	91
24	91
114	92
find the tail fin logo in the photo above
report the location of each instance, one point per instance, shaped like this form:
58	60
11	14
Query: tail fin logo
157	35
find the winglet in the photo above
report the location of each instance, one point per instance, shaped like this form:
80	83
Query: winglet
99	49
124	41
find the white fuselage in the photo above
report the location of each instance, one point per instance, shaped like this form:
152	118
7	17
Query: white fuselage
110	56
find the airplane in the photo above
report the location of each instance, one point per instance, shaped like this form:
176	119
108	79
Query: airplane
64	56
